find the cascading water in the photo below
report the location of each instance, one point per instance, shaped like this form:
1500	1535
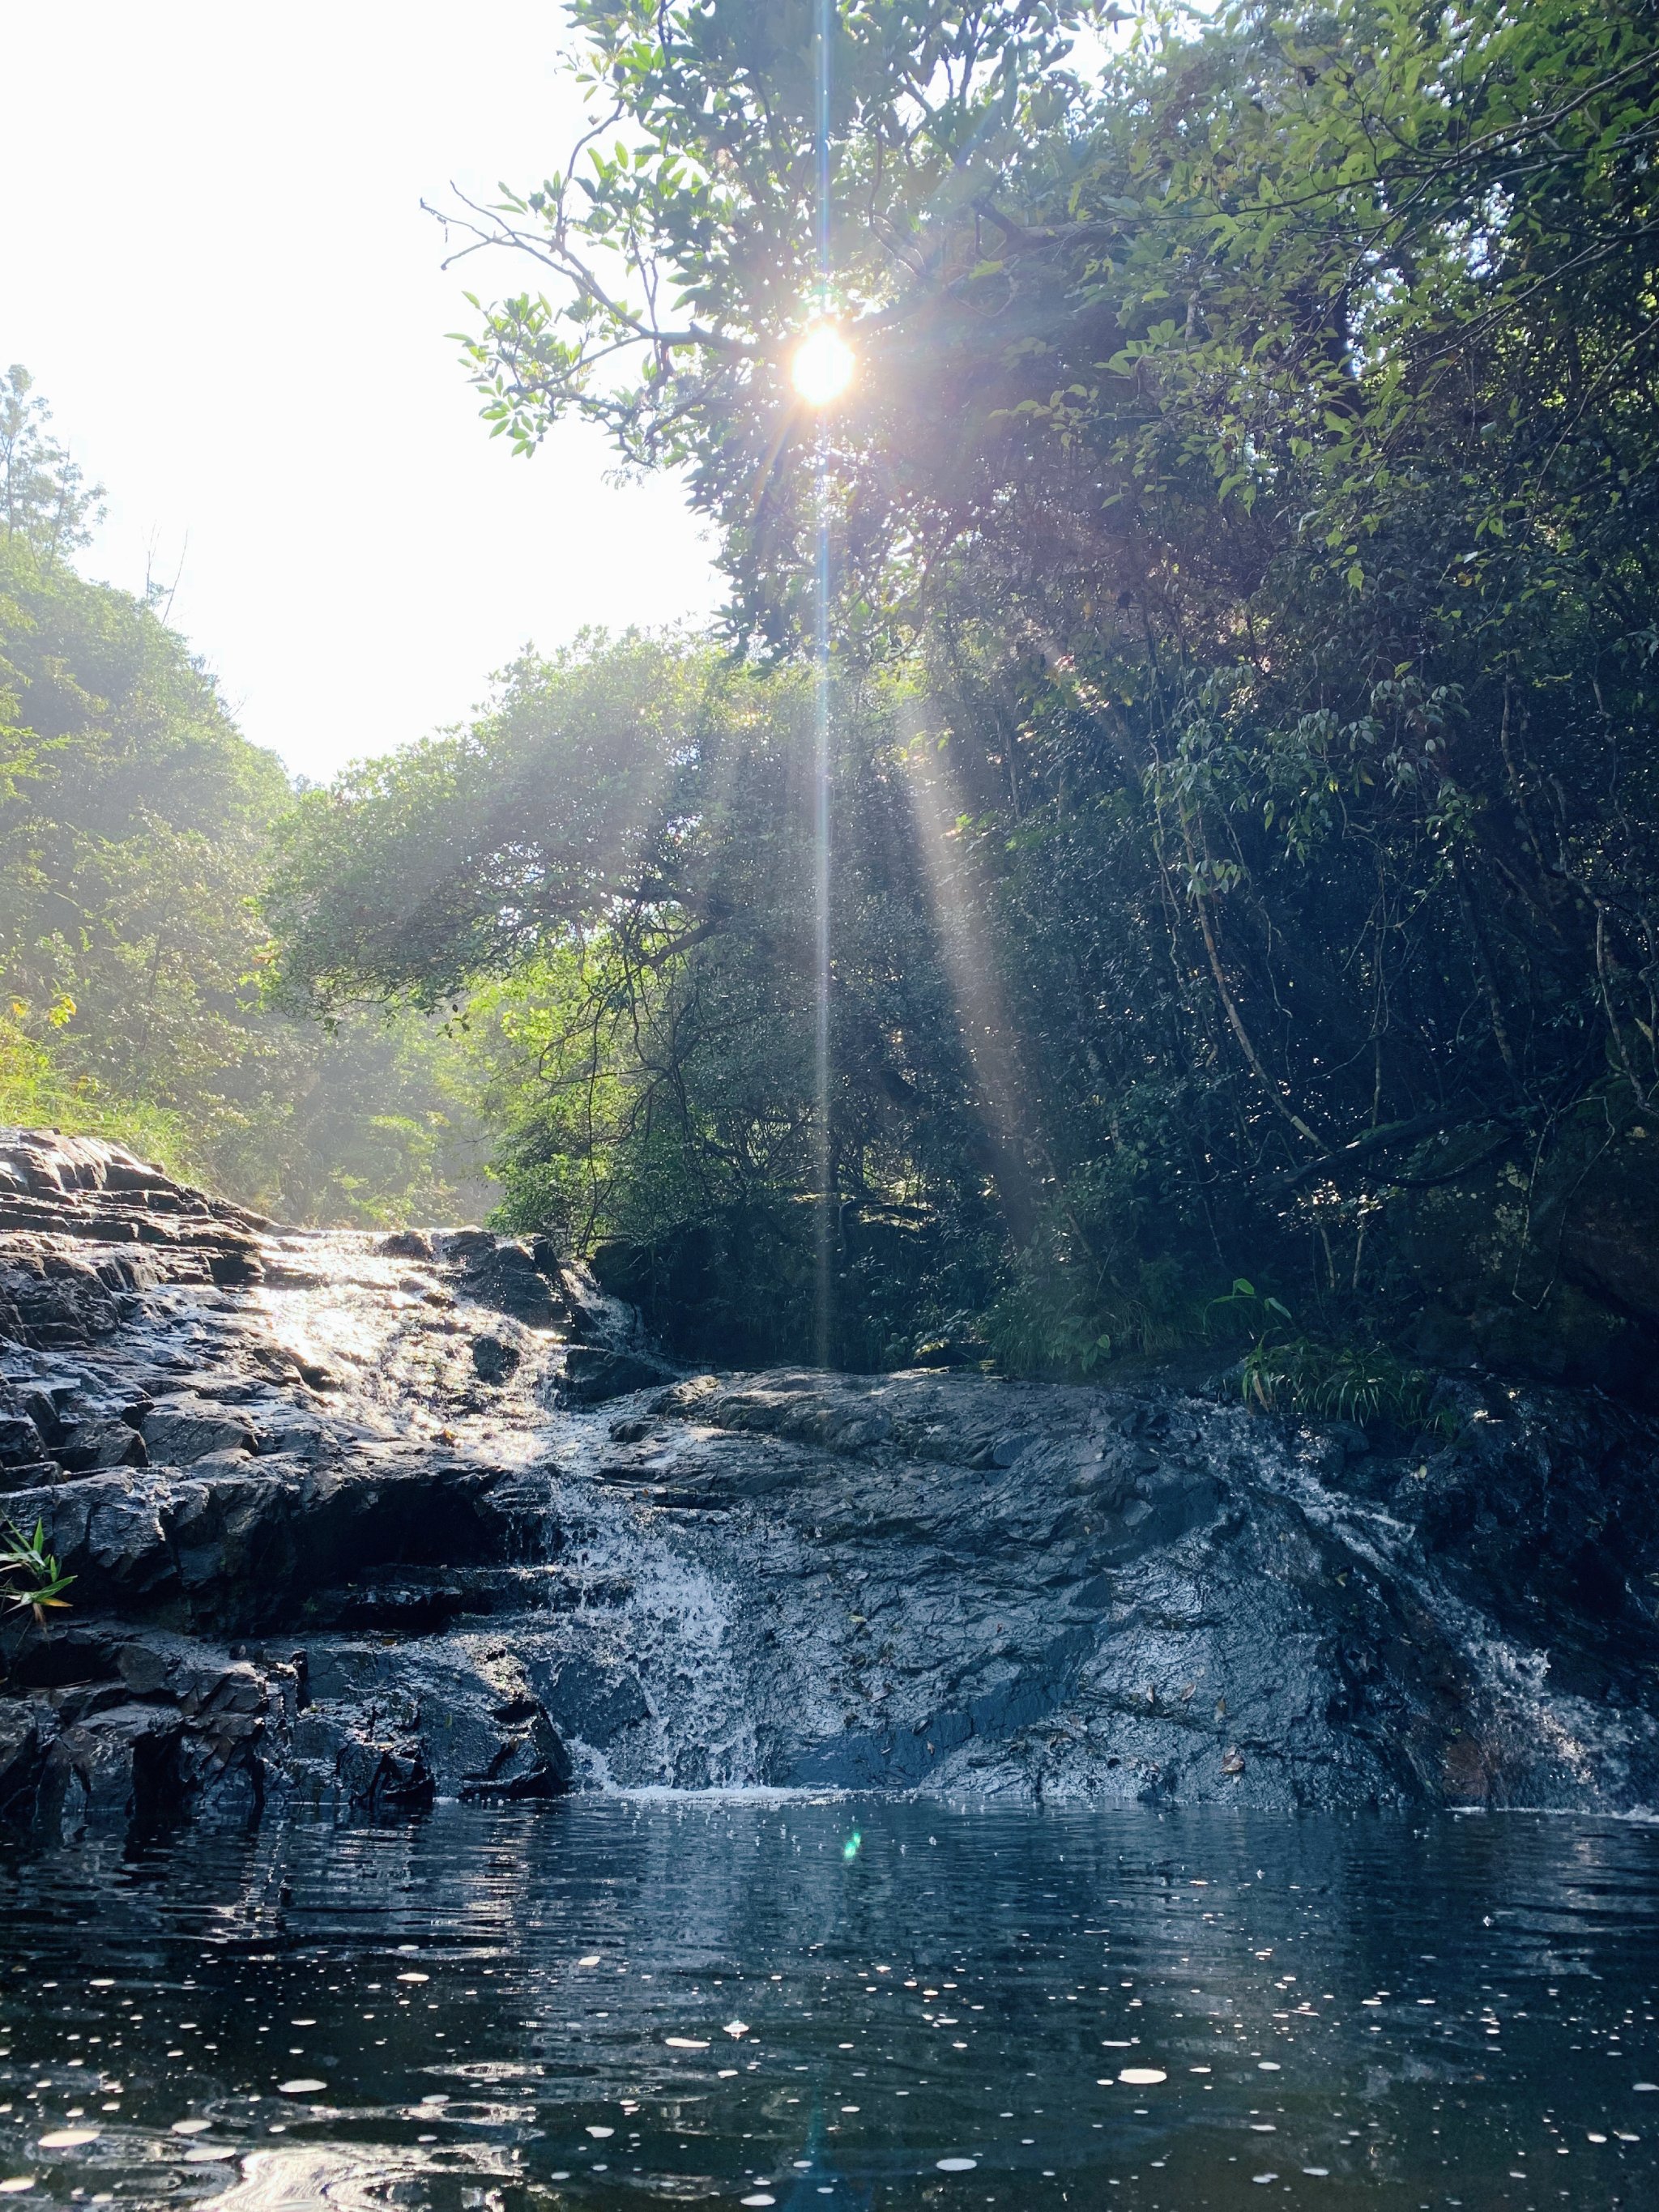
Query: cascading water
618	1618
691	1620
377	1520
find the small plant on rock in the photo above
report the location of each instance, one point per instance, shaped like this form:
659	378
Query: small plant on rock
1362	1384
34	1585
1286	1370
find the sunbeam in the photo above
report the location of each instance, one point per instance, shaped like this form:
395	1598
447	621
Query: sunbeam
824	1317
1005	1103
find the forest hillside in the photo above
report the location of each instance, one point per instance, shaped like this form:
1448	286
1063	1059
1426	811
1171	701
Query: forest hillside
137	826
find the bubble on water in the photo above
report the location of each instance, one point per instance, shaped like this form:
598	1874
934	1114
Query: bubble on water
759	2197
956	2165
685	2043
1268	2066
601	2134
1142	2077
1319	2172
16	2184
191	2127
592	1959
1264	2176
414	1977
68	2138
301	2086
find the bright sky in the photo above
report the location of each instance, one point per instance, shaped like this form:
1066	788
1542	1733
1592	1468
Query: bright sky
214	263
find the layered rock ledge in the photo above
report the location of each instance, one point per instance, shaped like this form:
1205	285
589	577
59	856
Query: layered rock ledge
364	1520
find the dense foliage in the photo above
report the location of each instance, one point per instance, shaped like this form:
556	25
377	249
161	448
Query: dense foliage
608	879
135	824
1242	523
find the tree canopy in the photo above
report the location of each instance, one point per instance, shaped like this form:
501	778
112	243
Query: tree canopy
1248	487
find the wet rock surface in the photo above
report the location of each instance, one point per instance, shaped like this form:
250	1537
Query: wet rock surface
370	1521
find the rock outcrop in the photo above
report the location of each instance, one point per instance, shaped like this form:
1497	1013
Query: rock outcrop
367	1521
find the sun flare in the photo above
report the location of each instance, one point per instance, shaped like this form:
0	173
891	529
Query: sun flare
823	365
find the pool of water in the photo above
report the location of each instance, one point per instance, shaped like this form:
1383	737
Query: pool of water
821	2005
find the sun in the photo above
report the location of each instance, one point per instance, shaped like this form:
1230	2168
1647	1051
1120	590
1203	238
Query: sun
823	365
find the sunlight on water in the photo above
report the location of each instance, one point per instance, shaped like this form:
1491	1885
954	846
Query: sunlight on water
338	1299
396	1345
738	2001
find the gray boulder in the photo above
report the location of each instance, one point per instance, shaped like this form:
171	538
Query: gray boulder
100	1441
593	1375
177	1431
493	1360
506	1278
20	1442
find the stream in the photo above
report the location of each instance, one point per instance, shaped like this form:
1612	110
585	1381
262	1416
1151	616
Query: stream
795	2001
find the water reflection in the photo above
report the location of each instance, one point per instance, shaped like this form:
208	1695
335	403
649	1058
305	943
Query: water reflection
715	2000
